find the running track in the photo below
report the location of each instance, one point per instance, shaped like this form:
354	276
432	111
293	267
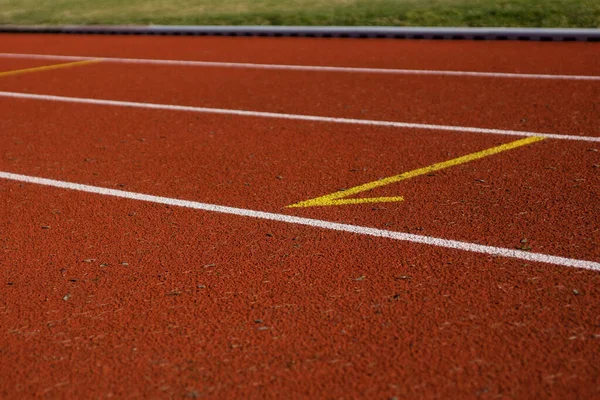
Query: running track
443	239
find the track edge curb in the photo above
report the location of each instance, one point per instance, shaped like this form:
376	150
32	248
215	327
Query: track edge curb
523	34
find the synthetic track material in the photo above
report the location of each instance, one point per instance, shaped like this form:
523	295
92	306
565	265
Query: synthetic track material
361	230
298	117
316	68
111	296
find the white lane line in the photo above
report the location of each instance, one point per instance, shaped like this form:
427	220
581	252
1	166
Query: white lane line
361	230
299	117
315	68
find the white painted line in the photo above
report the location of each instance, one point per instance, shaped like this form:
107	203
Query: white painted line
297	117
361	230
314	68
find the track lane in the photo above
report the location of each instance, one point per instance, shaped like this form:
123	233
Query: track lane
544	192
494	56
310	68
460	322
512	104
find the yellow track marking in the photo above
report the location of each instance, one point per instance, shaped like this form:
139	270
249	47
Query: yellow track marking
49	67
338	198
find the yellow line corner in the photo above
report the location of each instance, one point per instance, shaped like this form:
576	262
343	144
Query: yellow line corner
339	198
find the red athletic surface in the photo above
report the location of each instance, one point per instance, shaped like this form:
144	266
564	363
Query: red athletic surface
339	315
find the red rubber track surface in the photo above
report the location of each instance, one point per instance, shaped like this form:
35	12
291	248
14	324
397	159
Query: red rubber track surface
536	105
7	64
269	164
532	57
130	299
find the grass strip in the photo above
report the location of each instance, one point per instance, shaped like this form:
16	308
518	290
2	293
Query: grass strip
459	13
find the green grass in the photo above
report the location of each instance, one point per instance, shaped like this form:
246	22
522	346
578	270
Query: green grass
470	13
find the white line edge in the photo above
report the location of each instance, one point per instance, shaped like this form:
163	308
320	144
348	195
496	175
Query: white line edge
298	117
361	230
314	68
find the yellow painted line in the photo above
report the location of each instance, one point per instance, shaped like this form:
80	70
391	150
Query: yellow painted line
49	67
338	198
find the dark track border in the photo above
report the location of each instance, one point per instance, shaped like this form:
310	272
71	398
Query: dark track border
535	34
